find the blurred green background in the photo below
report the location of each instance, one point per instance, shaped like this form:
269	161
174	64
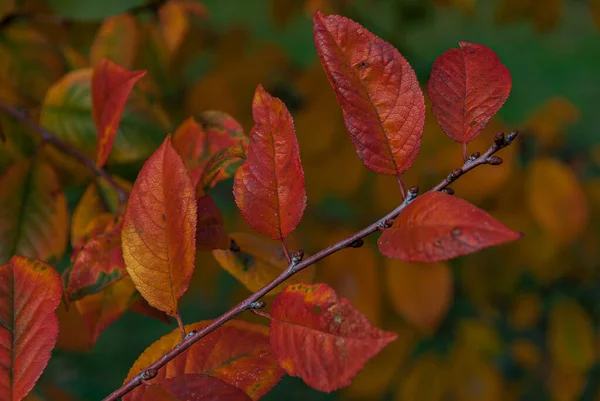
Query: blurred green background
518	322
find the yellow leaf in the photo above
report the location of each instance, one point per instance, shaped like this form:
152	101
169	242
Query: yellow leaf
556	199
526	354
473	378
525	312
175	22
480	336
116	39
425	381
549	122
565	385
420	292
258	261
571	337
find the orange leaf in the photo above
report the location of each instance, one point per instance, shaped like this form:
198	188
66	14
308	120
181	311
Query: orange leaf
467	87
256	261
98	263
103	308
217	168
30	292
421	293
269	186
111	86
237	353
194	387
438	226
116	39
159	228
210	232
174	21
321	338
378	91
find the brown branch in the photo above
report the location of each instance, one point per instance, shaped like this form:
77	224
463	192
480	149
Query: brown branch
252	302
49	137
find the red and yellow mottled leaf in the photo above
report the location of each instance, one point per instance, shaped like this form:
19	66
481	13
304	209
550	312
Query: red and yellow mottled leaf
193	387
210	232
321	338
269	186
220	166
111	86
237	353
420	293
174	20
117	39
438	226
467	87
30	292
101	309
98	263
255	261
33	212
159	229
378	91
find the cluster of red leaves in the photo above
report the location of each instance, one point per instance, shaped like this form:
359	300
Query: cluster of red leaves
148	246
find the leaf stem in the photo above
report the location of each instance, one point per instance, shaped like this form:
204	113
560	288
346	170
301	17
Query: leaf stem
65	147
249	303
401	184
181	325
286	251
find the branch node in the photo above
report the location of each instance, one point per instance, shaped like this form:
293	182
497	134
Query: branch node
257	305
297	257
510	137
148	374
499	140
190	334
448	191
474	156
357	243
412	193
494	160
457	172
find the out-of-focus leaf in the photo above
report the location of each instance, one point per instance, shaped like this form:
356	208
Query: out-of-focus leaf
238	353
210	231
174	21
193	387
269	186
467	87
321	338
111	87
256	261
73	335
92	10
438	226
525	312
549	122
571	336
159	230
420	292
221	166
98	264
101	309
383	106
526	353
595	11
552	189
30	292
67	112
565	385
471	377
425	380
7	7
117	39
33	212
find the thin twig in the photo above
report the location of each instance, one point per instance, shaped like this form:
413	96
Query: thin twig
251	302
49	137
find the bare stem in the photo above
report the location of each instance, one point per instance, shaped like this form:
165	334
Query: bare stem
250	303
49	137
286	251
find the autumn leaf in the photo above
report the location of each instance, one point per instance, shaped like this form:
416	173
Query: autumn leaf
117	39
159	228
256	261
30	292
220	166
237	353
269	186
378	91
438	226
193	387
101	309
425	380
98	263
321	338
210	230
551	189
595	11
467	87
174	21
33	212
420	292
111	86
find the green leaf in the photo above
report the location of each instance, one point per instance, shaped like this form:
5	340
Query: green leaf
92	10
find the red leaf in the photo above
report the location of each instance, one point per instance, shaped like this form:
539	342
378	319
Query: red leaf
378	91
111	86
98	264
437	226
217	168
269	186
141	306
237	353
210	232
467	87
321	338
159	227
196	387
30	292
